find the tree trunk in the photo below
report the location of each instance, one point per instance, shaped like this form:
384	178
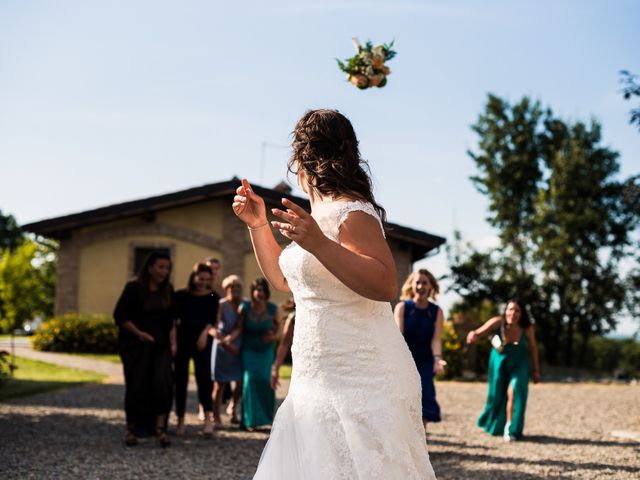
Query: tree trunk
12	367
569	343
583	348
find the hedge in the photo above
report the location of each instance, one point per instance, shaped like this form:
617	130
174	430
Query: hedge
77	333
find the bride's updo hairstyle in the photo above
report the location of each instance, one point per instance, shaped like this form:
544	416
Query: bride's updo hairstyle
325	147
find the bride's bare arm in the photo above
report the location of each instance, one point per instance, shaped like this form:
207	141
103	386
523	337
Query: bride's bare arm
362	260
267	252
250	208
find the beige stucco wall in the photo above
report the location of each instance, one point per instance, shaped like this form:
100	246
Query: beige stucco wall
104	253
105	267
205	217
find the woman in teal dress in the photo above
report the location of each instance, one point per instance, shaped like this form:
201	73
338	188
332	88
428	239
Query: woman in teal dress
258	323
513	358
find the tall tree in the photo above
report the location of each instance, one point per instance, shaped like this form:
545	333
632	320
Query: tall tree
27	283
562	221
581	231
631	89
10	233
632	281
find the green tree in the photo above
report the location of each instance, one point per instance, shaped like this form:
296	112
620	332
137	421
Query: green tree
10	233
631	89
27	283
562	219
581	231
632	280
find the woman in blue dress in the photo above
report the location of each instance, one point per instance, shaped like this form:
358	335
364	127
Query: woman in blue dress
420	321
226	364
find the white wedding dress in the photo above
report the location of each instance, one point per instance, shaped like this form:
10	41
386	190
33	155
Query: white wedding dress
353	410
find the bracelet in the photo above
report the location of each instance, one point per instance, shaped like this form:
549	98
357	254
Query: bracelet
437	356
258	228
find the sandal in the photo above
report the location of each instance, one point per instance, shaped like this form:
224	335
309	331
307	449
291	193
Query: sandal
130	439
163	438
180	428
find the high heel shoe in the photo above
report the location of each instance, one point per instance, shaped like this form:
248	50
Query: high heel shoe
130	439
163	438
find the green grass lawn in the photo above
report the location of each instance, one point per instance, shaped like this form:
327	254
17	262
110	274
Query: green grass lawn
285	370
33	376
107	357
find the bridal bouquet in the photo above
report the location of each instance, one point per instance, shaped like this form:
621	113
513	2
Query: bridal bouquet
367	67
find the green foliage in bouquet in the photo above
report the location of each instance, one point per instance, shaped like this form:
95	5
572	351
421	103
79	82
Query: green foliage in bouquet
77	333
367	67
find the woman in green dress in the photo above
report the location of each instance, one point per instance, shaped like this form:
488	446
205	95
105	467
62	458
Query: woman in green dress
513	358
258	324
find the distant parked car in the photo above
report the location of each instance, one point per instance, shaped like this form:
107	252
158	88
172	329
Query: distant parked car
29	328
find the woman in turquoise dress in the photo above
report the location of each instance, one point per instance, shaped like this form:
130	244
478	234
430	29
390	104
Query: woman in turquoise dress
514	357
258	323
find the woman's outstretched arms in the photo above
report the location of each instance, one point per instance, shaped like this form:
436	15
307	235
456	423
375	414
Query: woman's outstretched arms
489	325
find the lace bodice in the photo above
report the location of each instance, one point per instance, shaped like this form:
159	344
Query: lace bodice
306	276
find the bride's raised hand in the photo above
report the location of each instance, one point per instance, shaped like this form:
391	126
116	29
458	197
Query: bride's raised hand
299	226
248	206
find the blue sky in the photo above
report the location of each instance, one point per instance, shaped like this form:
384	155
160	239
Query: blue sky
102	102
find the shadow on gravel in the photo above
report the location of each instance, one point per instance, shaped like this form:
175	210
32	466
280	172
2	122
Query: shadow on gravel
546	439
79	445
14	388
445	443
94	395
455	456
457	472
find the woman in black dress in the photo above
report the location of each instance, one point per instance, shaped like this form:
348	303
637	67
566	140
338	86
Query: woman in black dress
147	341
196	309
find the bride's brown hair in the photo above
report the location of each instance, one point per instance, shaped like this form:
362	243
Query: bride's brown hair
325	147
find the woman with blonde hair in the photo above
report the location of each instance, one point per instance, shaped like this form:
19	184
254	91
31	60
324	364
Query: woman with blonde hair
226	364
420	321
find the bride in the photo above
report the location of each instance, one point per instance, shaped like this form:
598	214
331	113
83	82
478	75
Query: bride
353	410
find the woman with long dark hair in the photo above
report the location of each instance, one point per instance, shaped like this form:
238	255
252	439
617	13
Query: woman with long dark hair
353	408
196	309
420	321
147	341
514	357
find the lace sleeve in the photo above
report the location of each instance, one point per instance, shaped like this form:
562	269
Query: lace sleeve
344	209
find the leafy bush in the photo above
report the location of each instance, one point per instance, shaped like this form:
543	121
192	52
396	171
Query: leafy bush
452	352
607	354
6	367
77	333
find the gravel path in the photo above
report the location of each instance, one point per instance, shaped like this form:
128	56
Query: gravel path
77	433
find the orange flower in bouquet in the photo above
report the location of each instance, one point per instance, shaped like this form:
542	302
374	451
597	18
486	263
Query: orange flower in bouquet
367	67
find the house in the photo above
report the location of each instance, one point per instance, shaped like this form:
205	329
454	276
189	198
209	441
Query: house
101	249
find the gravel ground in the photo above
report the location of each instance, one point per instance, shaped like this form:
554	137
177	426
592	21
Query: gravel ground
77	433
